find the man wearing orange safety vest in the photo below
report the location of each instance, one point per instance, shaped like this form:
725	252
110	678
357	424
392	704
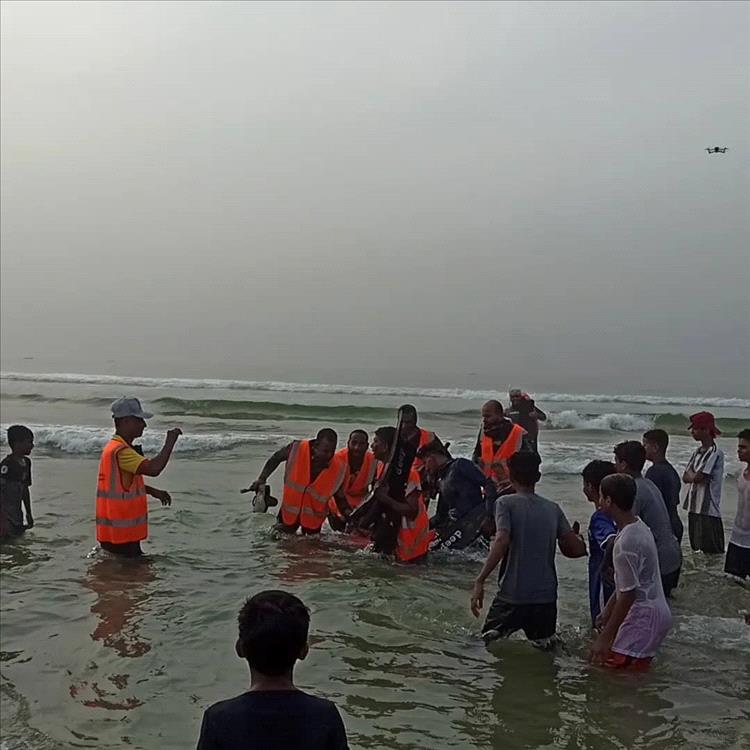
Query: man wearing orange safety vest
313	475
121	504
410	514
360	466
418	438
498	441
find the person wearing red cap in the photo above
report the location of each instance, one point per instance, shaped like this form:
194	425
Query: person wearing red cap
703	479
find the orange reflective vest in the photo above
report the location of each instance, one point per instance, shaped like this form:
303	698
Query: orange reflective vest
354	483
121	513
494	463
414	536
305	502
425	437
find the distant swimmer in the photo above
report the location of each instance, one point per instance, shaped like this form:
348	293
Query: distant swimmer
313	475
524	412
15	480
360	464
121	503
408	515
498	441
464	496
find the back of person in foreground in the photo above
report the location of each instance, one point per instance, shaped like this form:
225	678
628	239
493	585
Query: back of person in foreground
273	714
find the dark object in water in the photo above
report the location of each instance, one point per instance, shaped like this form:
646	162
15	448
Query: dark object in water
462	533
263	500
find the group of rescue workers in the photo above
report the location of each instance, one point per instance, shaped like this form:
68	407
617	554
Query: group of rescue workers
322	484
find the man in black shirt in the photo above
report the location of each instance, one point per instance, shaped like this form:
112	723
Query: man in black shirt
664	476
463	488
273	714
524	412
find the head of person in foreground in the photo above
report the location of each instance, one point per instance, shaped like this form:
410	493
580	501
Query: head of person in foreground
617	496
273	630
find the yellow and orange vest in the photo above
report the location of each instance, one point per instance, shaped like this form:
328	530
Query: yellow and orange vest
121	513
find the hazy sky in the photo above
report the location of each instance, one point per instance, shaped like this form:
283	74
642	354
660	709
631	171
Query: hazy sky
417	193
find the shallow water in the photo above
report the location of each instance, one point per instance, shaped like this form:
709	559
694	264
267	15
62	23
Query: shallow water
104	653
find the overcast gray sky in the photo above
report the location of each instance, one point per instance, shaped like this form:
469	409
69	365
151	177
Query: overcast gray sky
447	194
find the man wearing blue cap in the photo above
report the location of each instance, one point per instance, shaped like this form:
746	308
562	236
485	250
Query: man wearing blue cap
121	503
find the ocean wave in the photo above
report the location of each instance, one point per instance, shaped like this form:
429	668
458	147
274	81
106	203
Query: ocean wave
83	440
365	390
572	420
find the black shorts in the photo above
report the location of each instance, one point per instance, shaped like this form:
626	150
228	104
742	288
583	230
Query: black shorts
669	582
706	533
538	621
738	561
126	549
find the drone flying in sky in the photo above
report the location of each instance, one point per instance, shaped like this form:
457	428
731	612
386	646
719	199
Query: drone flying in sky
717	150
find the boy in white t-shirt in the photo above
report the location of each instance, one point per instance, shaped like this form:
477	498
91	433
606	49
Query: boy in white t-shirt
738	550
637	618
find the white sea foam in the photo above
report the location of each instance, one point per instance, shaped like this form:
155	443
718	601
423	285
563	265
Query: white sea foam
364	390
572	420
89	440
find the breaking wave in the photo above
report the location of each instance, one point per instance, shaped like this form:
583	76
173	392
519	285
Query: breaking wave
365	390
87	440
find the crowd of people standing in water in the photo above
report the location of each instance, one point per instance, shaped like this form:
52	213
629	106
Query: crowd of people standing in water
490	501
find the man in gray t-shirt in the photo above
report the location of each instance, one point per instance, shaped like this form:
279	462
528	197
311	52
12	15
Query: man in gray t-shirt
534	524
529	527
649	506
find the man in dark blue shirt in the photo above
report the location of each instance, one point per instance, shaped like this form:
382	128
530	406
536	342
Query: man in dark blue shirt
602	532
664	476
465	500
273	714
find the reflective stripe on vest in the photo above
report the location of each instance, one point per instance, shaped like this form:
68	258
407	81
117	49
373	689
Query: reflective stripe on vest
121	513
305	502
414	537
495	462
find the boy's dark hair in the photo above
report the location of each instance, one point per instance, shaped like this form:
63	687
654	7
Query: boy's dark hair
523	468
408	409
359	431
327	435
387	435
620	489
632	454
17	433
434	446
273	631
659	438
596	470
744	434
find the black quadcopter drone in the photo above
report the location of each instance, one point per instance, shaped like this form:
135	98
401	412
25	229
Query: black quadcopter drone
717	150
